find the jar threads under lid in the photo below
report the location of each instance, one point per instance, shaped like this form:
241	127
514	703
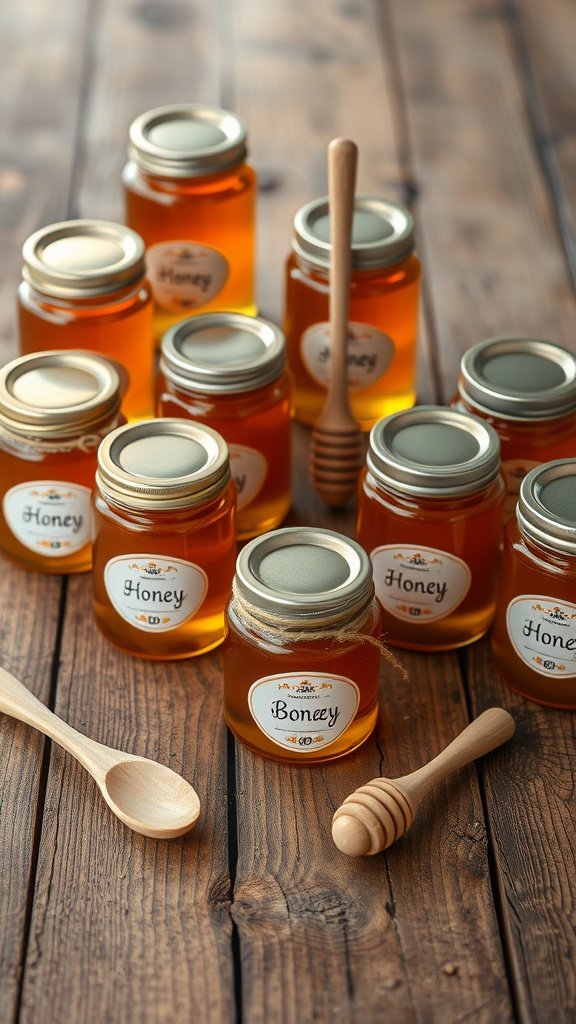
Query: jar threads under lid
79	259
223	352
433	451
519	378
382	233
316	577
546	509
187	140
58	394
162	464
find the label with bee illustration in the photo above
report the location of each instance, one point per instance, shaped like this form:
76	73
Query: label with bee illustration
542	631
369	355
155	593
419	585
50	517
303	711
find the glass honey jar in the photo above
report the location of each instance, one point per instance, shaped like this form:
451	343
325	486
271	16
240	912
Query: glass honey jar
430	514
165	540
191	195
228	370
534	634
55	408
83	287
526	388
302	656
384	291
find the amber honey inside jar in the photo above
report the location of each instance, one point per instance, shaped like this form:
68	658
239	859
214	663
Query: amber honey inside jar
55	408
301	675
227	370
534	635
430	514
83	287
165	541
191	195
383	315
526	388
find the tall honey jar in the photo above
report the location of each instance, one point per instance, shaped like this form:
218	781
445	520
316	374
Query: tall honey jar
228	370
302	655
534	634
384	290
526	388
430	514
165	541
191	195
83	287
55	408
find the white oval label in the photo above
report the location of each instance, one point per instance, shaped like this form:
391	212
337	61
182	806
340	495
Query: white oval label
185	276
543	634
419	585
152	593
303	711
50	517
249	469
370	353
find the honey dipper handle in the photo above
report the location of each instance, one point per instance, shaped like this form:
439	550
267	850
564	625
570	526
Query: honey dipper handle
486	732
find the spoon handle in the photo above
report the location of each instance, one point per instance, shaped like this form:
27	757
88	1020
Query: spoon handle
17	701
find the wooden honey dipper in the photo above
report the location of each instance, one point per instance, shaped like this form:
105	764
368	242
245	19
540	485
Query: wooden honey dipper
336	450
379	813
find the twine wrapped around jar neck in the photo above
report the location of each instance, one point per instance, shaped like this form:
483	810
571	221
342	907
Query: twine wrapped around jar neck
276	628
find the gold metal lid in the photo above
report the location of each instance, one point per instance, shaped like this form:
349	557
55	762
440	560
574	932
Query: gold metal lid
80	259
382	233
519	378
162	464
223	353
314	575
187	140
434	452
546	508
58	394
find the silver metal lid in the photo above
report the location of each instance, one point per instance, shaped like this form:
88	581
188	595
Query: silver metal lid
223	352
187	140
58	394
382	233
162	464
546	508
316	576
433	451
519	378
83	258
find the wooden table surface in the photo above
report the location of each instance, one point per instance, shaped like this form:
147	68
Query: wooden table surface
466	111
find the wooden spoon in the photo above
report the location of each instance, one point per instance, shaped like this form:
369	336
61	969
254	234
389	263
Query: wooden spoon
337	451
146	796
380	812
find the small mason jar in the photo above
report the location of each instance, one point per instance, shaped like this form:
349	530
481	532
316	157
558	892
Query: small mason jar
83	287
55	408
165	541
302	656
526	388
228	370
534	634
191	195
384	291
430	514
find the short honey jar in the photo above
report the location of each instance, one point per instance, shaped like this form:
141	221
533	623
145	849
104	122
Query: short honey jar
302	655
84	287
430	514
55	408
191	195
165	542
534	635
526	388
228	370
384	291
